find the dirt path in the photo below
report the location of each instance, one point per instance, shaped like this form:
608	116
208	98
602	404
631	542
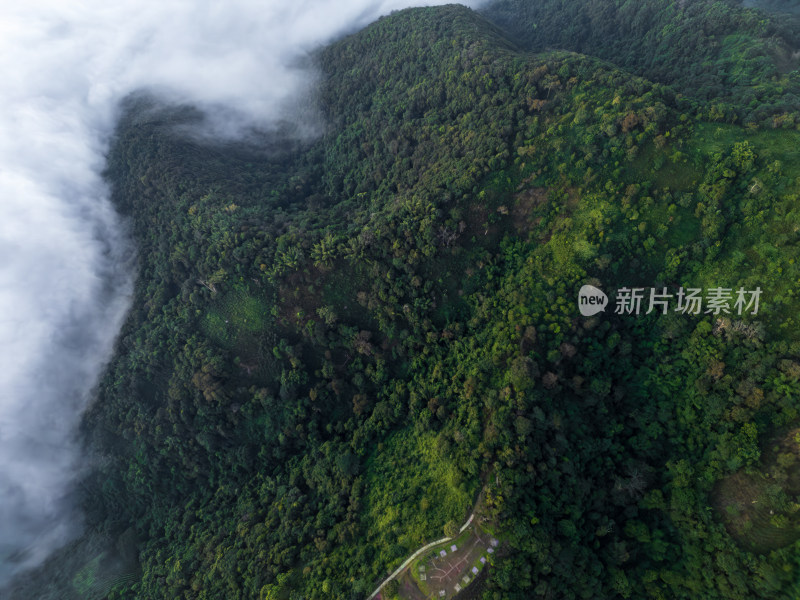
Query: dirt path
415	555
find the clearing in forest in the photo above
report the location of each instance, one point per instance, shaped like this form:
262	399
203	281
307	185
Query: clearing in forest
760	509
445	570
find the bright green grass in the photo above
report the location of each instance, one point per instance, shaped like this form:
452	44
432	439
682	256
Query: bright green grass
770	144
763	252
237	319
413	491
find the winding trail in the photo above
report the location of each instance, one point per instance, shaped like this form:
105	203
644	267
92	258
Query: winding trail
416	554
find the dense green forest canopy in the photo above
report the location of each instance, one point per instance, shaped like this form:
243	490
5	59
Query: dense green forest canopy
742	63
340	346
781	8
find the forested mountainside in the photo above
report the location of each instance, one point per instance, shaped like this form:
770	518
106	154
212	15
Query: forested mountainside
741	62
341	347
781	8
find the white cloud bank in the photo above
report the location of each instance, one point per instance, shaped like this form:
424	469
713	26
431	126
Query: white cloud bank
65	272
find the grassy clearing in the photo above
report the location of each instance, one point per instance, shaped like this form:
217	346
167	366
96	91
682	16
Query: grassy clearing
657	165
751	508
763	235
770	145
101	574
408	507
760	509
471	546
237	320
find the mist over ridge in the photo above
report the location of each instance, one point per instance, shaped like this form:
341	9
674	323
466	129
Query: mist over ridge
67	274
